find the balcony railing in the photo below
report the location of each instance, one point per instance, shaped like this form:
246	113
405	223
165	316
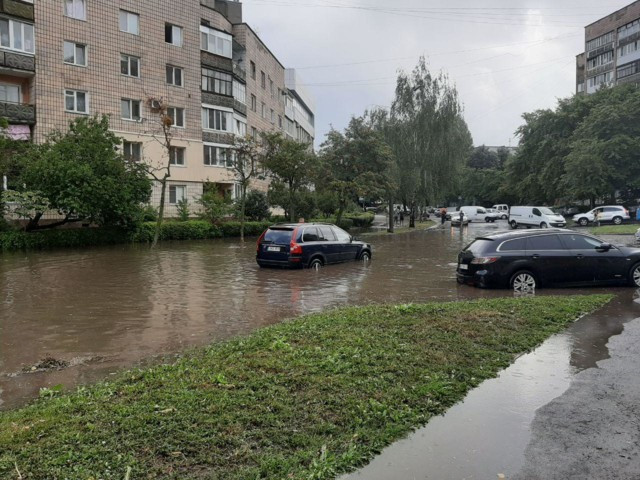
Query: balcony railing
17	61
21	113
17	9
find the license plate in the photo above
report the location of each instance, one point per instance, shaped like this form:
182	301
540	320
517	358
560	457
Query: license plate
464	266
273	249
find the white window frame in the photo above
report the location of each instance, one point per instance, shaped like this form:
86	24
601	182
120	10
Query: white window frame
183	196
131	102
238	129
129	154
132	27
173	113
124	57
75	101
75	46
74	4
4	85
23	27
216	42
174	29
240	92
220	162
205	118
173	69
174	157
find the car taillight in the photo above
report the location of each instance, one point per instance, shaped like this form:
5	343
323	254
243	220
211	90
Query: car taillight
484	260
295	248
260	240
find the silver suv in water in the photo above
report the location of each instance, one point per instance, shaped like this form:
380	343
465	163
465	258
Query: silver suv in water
615	214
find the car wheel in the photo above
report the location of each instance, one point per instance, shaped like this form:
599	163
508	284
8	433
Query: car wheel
544	225
316	264
504	217
514	224
617	220
523	281
634	276
583	222
365	257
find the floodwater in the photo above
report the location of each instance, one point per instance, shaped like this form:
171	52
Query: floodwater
103	309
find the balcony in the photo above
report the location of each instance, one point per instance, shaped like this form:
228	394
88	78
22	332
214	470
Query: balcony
18	113
17	62
17	8
239	72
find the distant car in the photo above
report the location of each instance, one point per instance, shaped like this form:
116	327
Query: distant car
455	219
540	258
497	213
615	214
535	217
479	214
503	209
311	245
568	211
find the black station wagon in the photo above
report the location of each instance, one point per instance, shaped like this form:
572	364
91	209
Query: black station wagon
546	257
312	245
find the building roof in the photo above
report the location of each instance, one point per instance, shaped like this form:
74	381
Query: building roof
612	13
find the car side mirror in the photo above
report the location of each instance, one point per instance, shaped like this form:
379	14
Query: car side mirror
605	247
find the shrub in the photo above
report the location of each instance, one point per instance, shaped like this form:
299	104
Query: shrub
361	220
149	214
232	229
183	210
72	237
214	207
256	206
345	223
188	230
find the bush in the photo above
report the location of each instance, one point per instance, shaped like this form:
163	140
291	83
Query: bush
256	206
189	230
72	237
361	220
183	210
149	214
345	223
214	206
251	229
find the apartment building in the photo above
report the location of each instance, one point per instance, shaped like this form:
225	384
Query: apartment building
612	51
60	60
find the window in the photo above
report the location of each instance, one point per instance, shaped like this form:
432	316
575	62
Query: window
629	29
273	116
174	76
264	110
240	92
544	242
76	101
628	48
263	80
176	156
326	234
75	54
627	70
280	121
215	41
600	79
254	103
75	9
129	22
129	66
600	60
132	151
600	41
241	128
580	242
513	245
214	119
271	87
217	156
176	115
16	35
217	82
130	109
10	93
310	234
173	34
341	235
254	133
177	193
253	70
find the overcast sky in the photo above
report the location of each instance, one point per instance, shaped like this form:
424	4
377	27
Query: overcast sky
506	57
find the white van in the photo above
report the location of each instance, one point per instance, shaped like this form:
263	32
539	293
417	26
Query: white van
538	217
503	209
479	214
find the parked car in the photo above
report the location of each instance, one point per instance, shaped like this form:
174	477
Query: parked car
540	258
479	214
616	214
538	217
498	214
455	219
567	211
503	209
312	245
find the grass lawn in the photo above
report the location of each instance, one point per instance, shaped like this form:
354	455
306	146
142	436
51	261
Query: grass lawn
405	229
309	398
629	229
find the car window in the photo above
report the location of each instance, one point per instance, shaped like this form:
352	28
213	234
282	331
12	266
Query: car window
513	245
341	235
278	236
580	242
326	233
481	211
536	212
547	211
611	209
544	242
310	234
478	246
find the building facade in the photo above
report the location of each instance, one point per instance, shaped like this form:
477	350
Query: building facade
63	59
612	51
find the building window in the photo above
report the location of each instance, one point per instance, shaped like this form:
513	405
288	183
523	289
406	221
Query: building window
217	156
271	90
75	9
254	103
177	116
217	82
215	41
75	54
253	70
264	110
130	109
581	87
76	101
129	22
129	66
176	156
263	80
241	128
173	34
254	133
177	193
600	79
132	151
600	60
627	70
280	121
16	35
174	76
240	92
628	48
629	29
273	116
10	93
600	41
213	119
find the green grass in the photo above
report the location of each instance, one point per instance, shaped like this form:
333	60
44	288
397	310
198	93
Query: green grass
629	229
305	399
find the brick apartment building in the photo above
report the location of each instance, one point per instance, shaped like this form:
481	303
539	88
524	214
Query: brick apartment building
60	59
612	51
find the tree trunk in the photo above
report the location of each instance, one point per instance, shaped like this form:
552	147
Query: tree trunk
340	211
163	191
390	227
412	216
33	223
292	208
243	197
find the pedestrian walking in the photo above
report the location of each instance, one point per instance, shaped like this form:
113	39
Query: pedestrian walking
443	215
401	218
596	217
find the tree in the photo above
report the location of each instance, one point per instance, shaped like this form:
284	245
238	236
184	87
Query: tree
482	157
245	160
289	163
257	206
83	176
